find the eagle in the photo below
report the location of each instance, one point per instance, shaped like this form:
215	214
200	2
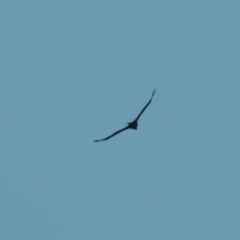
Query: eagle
131	125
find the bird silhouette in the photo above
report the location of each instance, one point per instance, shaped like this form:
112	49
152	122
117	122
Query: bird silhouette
131	125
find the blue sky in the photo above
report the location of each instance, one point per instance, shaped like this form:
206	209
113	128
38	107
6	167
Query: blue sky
75	71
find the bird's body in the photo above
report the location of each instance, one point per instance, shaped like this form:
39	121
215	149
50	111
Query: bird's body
131	125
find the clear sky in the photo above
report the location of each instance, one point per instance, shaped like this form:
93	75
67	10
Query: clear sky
75	71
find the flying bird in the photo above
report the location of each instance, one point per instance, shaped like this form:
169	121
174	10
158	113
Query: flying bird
131	125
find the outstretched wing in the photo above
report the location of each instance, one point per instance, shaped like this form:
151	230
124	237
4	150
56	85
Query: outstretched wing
117	132
139	115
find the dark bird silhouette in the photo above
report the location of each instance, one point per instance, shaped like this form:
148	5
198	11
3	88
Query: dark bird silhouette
131	125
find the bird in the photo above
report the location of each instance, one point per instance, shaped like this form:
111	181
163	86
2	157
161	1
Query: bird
131	125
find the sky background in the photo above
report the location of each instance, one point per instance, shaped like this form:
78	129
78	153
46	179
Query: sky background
75	71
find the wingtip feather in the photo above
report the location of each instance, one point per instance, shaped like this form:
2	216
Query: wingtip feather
154	91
